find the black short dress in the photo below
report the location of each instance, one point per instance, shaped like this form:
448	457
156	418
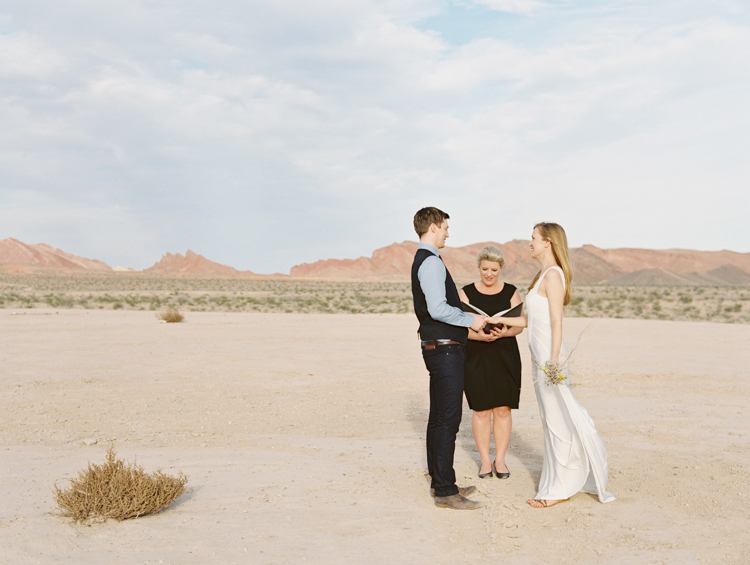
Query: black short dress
492	373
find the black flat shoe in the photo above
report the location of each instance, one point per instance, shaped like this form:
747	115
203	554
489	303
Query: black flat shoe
498	473
486	475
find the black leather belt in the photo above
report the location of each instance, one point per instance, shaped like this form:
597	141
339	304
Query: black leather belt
431	344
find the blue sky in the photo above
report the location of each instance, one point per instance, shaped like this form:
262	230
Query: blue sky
268	133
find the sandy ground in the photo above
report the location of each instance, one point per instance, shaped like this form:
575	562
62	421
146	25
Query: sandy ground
303	441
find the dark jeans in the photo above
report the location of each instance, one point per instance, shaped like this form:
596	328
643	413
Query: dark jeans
446	366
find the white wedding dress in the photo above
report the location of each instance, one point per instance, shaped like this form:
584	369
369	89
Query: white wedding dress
575	458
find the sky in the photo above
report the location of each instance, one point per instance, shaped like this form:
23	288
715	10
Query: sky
266	133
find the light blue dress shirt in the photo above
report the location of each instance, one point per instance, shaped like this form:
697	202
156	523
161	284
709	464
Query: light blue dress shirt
431	276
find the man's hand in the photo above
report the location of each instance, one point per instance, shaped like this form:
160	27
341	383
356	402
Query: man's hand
479	322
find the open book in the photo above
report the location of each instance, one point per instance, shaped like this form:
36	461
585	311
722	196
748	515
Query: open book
514	312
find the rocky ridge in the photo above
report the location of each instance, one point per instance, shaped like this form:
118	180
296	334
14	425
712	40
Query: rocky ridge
591	264
190	263
40	255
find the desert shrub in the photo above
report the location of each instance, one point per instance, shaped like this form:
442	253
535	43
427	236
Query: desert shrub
170	315
117	490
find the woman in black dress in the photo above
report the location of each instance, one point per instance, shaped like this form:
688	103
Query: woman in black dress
492	372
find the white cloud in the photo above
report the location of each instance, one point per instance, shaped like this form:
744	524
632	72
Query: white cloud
25	55
513	6
318	128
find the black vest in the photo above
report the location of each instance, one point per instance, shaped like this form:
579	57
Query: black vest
430	328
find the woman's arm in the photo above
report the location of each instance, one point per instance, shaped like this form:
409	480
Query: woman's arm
553	288
519	322
462	296
509	331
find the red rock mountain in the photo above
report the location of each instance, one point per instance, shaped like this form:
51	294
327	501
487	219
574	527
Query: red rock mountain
676	260
590	264
14	252
190	264
17	255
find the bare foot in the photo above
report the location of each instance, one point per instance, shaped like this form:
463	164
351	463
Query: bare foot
545	503
497	469
485	469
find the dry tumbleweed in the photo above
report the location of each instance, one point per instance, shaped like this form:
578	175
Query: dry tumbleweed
117	490
170	315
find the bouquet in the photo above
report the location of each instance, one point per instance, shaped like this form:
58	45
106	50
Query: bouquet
558	372
555	372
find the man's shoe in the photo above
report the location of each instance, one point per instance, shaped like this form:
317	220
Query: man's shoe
457	502
463	491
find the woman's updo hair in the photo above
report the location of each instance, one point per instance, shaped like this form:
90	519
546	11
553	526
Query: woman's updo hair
491	253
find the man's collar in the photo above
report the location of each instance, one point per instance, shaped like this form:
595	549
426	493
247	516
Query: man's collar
429	248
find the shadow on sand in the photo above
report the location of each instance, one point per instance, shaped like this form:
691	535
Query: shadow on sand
528	454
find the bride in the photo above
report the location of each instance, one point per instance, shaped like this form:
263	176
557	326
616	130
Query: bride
575	458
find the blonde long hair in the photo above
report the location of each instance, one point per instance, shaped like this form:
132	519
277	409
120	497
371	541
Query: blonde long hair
555	234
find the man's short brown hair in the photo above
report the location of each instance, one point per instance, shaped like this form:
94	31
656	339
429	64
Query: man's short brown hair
426	217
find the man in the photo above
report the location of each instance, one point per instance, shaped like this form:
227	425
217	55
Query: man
443	332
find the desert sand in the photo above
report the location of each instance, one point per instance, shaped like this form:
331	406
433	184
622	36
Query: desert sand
303	440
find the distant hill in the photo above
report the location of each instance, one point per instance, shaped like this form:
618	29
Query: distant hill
191	263
681	261
652	277
395	261
590	265
27	256
726	274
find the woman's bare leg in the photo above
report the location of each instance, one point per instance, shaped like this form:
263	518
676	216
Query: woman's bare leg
482	428
502	424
